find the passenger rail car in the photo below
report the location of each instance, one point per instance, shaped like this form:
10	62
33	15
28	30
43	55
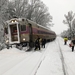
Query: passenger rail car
21	31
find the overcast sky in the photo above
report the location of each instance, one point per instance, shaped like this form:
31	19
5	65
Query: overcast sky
57	9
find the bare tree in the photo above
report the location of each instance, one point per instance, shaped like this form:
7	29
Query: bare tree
3	6
69	19
38	12
41	15
2	3
33	10
16	8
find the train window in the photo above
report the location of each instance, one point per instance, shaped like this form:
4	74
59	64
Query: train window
6	30
23	27
14	29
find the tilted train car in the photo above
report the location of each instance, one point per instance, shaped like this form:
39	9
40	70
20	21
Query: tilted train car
21	31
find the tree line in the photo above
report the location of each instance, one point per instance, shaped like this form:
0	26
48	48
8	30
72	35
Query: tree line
34	10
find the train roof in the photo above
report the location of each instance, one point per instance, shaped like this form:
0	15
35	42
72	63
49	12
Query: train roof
40	26
31	22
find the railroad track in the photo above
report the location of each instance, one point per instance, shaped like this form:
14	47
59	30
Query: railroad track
67	70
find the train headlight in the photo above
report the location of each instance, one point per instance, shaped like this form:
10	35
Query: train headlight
7	41
12	21
15	21
24	39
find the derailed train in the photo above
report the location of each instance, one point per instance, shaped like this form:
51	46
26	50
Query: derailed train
21	31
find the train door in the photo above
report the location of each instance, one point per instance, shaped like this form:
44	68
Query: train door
31	44
13	33
30	32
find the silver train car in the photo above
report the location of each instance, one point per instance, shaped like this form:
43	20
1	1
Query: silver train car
21	31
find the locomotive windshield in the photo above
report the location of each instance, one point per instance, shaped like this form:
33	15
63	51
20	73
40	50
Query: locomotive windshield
13	29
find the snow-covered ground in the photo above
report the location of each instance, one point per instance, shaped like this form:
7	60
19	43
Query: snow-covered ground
55	59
